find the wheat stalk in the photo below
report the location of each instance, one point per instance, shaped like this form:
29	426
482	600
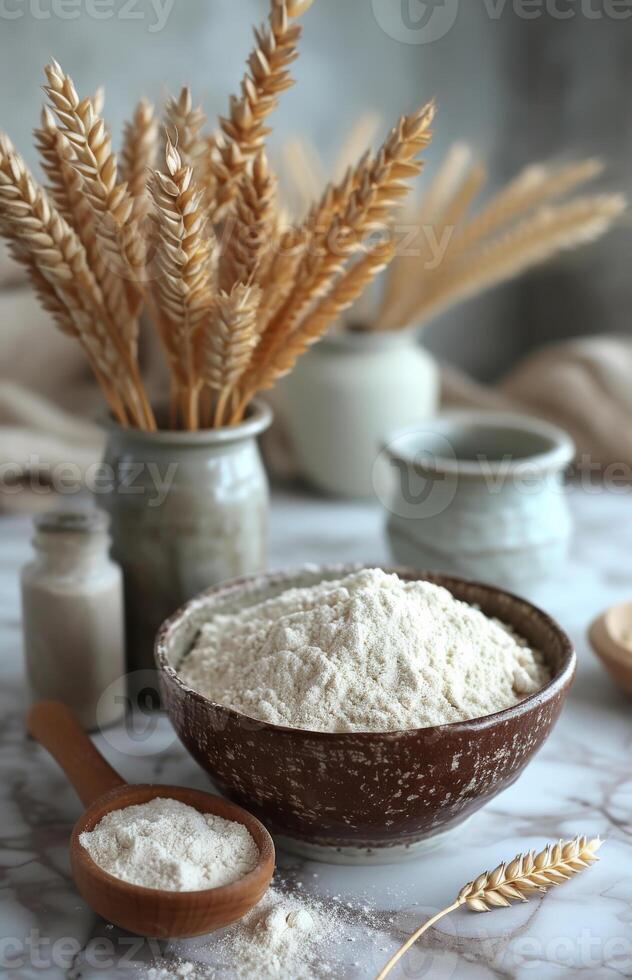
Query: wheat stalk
66	190
527	874
184	258
244	130
404	272
185	123
349	286
64	184
373	189
395	309
534	186
57	256
138	156
110	200
226	346
249	232
549	231
267	78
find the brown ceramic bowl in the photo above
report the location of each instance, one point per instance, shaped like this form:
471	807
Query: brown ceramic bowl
365	797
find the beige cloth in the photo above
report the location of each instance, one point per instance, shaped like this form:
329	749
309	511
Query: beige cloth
585	386
49	401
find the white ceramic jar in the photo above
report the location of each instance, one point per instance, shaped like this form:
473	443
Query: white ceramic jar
346	394
72	613
480	494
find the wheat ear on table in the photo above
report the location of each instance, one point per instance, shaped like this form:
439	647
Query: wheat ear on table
526	875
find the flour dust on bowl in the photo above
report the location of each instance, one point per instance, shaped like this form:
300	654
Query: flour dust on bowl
394	769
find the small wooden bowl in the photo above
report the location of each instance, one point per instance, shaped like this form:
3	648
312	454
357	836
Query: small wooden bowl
146	911
167	914
365	797
609	638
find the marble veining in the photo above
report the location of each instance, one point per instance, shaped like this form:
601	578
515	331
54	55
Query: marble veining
581	781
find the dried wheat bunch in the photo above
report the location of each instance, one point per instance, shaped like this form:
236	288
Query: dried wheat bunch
445	234
349	286
521	227
526	875
44	241
235	291
370	193
549	232
534	186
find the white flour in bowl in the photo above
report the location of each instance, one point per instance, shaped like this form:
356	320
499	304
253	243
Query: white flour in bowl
369	653
167	844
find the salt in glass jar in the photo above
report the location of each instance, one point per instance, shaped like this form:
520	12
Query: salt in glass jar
72	612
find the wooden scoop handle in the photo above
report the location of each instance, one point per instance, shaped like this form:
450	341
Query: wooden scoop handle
57	729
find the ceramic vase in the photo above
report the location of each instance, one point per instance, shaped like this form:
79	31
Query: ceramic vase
345	395
482	495
187	510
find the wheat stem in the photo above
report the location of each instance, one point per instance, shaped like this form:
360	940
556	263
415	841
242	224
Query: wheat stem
415	936
531	242
184	254
526	874
349	286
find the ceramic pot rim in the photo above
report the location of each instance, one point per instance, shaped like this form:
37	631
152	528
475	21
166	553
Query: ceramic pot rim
561	680
368	341
560	453
259	419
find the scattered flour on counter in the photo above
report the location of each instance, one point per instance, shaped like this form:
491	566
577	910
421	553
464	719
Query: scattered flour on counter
167	844
368	653
282	938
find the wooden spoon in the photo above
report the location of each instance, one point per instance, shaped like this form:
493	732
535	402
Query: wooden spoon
611	637
146	911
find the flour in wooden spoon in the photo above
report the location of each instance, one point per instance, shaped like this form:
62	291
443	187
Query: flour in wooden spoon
167	844
368	653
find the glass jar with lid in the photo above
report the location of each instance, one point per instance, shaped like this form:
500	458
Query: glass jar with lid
73	619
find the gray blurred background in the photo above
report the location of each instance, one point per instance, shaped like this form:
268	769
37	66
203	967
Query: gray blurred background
518	89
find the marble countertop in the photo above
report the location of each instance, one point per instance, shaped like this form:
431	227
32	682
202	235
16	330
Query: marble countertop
581	782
